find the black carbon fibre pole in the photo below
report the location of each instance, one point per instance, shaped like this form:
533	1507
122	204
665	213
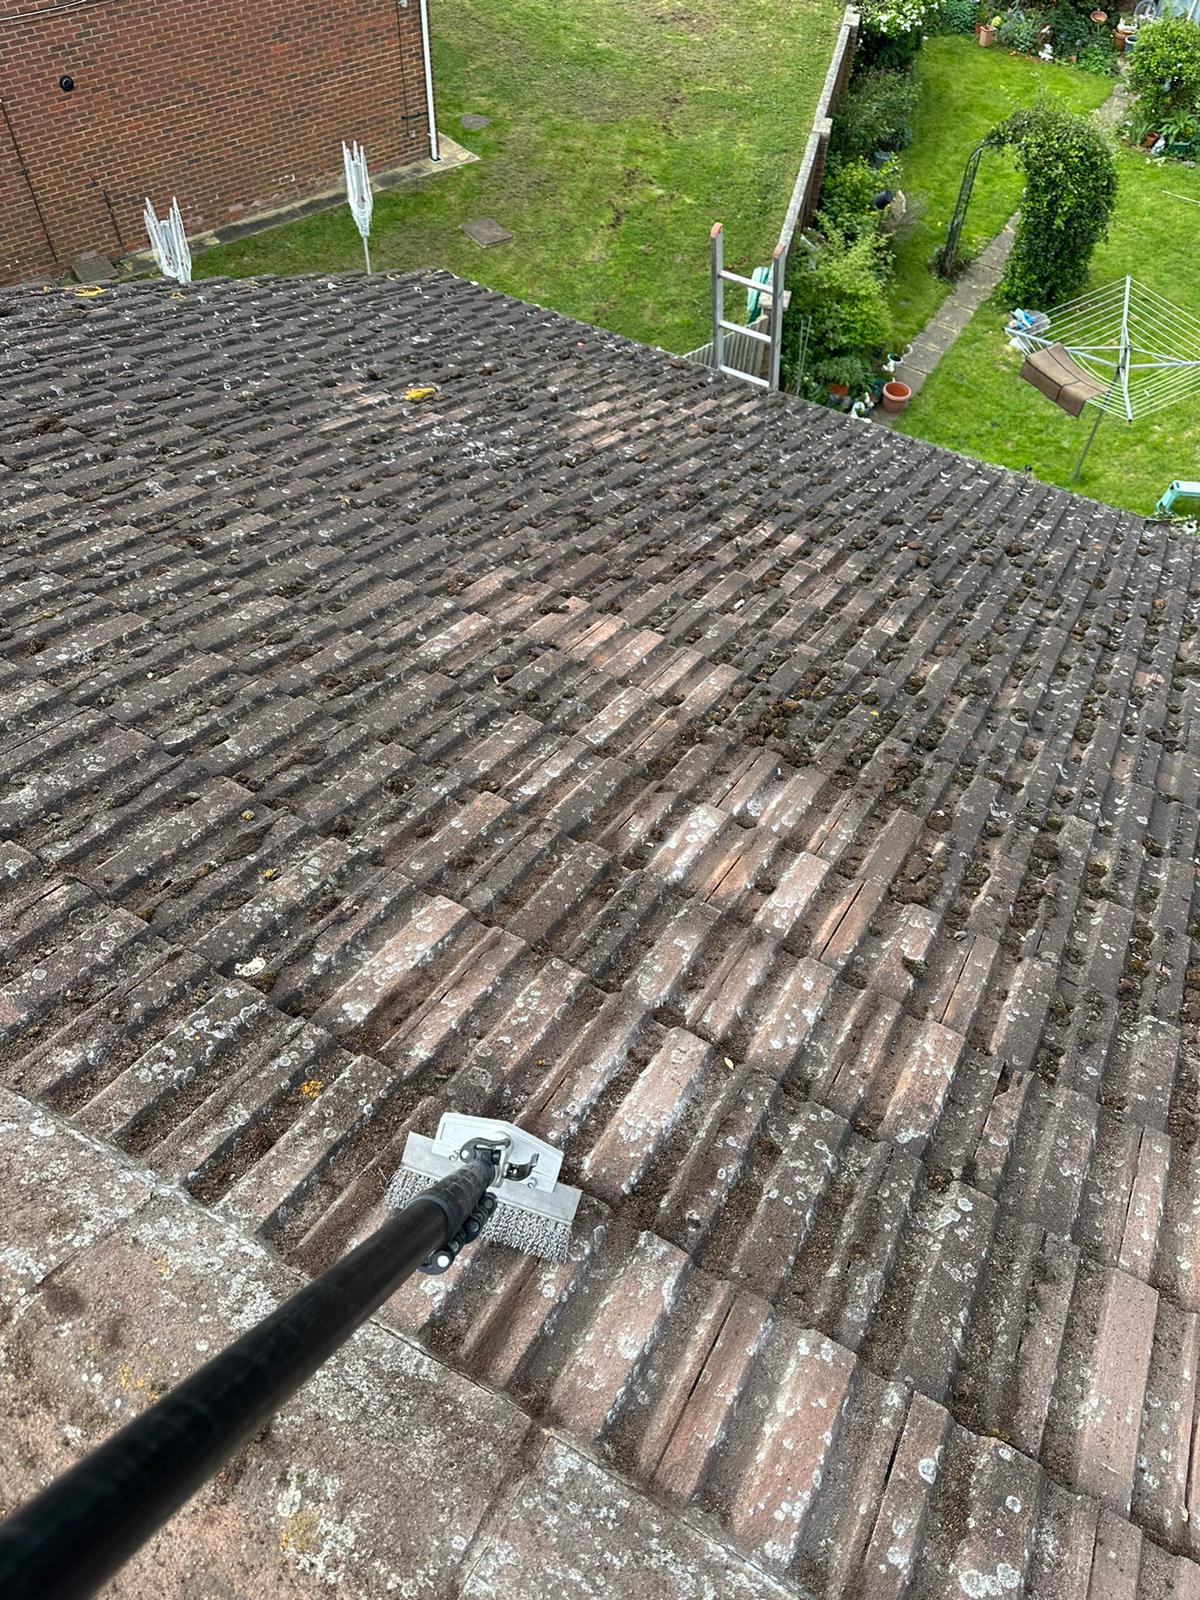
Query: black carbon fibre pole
71	1538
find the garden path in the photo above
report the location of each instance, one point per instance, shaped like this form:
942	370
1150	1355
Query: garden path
975	285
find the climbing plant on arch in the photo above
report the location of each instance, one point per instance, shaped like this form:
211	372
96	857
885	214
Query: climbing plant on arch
1070	190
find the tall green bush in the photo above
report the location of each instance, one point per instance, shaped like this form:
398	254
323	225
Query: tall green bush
848	197
890	54
1070	190
957	16
840	287
1164	73
1070	30
874	114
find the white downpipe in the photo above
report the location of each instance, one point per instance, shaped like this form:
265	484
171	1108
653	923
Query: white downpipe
434	154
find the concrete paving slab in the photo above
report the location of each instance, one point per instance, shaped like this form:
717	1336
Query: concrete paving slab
486	231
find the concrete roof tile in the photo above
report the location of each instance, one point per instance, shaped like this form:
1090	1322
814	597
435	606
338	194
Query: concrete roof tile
796	822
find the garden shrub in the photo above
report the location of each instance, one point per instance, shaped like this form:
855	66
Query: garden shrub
957	16
1180	128
840	287
1070	189
855	372
848	195
1099	56
892	32
1019	31
874	114
1070	31
1165	71
895	17
889	54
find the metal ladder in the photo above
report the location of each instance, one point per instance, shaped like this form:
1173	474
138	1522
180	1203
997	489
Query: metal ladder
772	337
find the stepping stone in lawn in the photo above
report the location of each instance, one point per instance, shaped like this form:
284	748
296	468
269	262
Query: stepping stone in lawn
486	231
472	120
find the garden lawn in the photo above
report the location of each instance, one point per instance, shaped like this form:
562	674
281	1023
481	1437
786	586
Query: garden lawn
621	130
975	403
964	92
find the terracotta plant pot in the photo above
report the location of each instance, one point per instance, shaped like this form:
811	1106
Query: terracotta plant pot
841	390
896	395
1122	36
986	35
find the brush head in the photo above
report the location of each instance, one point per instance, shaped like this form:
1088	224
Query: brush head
533	1211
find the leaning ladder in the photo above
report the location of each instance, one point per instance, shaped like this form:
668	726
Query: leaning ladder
772	337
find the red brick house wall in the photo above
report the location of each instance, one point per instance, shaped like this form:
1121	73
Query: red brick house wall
233	105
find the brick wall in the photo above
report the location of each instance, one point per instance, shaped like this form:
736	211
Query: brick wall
806	194
233	105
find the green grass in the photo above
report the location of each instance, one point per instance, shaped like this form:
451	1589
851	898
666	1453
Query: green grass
965	91
621	130
975	403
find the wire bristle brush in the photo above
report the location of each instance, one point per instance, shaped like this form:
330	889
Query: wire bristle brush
525	1206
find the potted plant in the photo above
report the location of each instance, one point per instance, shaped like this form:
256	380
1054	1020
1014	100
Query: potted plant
896	395
1125	30
987	31
1179	130
841	374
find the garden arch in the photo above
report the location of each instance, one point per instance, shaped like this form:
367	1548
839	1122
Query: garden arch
946	262
1070	189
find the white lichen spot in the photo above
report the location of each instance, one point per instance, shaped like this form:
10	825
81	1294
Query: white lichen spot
987	1585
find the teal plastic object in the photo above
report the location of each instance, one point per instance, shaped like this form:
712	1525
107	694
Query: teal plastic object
754	296
1180	489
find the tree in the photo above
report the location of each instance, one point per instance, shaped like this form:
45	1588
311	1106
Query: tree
1070	190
